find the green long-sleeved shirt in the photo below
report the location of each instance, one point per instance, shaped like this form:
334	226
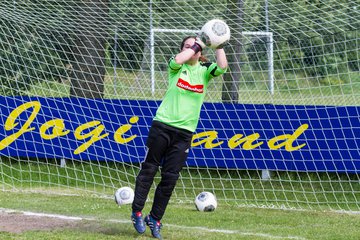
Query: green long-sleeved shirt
186	91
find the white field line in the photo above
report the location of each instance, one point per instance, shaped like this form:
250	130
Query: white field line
348	212
123	221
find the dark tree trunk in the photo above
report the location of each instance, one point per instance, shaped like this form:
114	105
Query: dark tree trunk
88	67
230	88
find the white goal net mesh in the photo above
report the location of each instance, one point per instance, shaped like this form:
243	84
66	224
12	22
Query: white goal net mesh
81	82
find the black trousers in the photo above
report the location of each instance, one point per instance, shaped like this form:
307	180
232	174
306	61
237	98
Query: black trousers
168	147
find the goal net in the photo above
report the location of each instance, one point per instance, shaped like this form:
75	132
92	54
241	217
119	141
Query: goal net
81	83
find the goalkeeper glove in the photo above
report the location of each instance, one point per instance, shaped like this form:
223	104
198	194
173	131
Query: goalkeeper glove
200	42
198	46
222	45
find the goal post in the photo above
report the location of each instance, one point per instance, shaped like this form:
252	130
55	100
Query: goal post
270	49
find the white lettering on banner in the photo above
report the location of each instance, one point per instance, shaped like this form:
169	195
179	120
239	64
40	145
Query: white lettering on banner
187	86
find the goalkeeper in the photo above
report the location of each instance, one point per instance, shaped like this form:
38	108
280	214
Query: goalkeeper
171	132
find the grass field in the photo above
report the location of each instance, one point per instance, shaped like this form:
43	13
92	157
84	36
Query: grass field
79	190
103	219
318	191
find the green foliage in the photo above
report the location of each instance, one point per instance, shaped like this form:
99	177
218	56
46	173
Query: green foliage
29	54
315	39
129	34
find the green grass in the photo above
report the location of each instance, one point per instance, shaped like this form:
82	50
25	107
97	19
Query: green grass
320	191
181	221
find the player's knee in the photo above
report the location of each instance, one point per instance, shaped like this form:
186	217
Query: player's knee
149	168
168	182
170	176
147	172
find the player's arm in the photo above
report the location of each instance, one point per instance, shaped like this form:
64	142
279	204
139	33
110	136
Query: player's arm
173	67
185	55
221	59
214	70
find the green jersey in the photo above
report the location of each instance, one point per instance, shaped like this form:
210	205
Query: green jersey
185	95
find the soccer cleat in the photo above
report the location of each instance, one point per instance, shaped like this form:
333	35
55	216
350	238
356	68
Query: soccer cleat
154	226
138	222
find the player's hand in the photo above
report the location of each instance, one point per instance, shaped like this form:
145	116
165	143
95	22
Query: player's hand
200	42
222	45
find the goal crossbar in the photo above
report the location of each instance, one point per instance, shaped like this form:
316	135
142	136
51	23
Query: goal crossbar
270	51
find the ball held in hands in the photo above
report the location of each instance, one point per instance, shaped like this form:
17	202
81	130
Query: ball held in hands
215	33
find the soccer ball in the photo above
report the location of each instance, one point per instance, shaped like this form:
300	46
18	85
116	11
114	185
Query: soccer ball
215	33
124	195
205	202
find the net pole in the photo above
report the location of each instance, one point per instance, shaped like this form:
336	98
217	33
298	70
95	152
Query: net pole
152	51
271	62
265	173
115	58
270	48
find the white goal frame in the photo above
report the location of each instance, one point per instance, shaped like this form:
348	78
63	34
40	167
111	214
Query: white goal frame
270	52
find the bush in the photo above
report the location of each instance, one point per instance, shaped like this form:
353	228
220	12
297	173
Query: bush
28	55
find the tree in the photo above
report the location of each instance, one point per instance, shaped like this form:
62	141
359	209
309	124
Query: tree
91	31
230	91
131	32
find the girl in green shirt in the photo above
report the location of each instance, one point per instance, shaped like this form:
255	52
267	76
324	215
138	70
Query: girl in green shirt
170	135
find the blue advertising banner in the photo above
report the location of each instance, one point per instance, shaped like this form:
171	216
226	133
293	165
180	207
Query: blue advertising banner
236	136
